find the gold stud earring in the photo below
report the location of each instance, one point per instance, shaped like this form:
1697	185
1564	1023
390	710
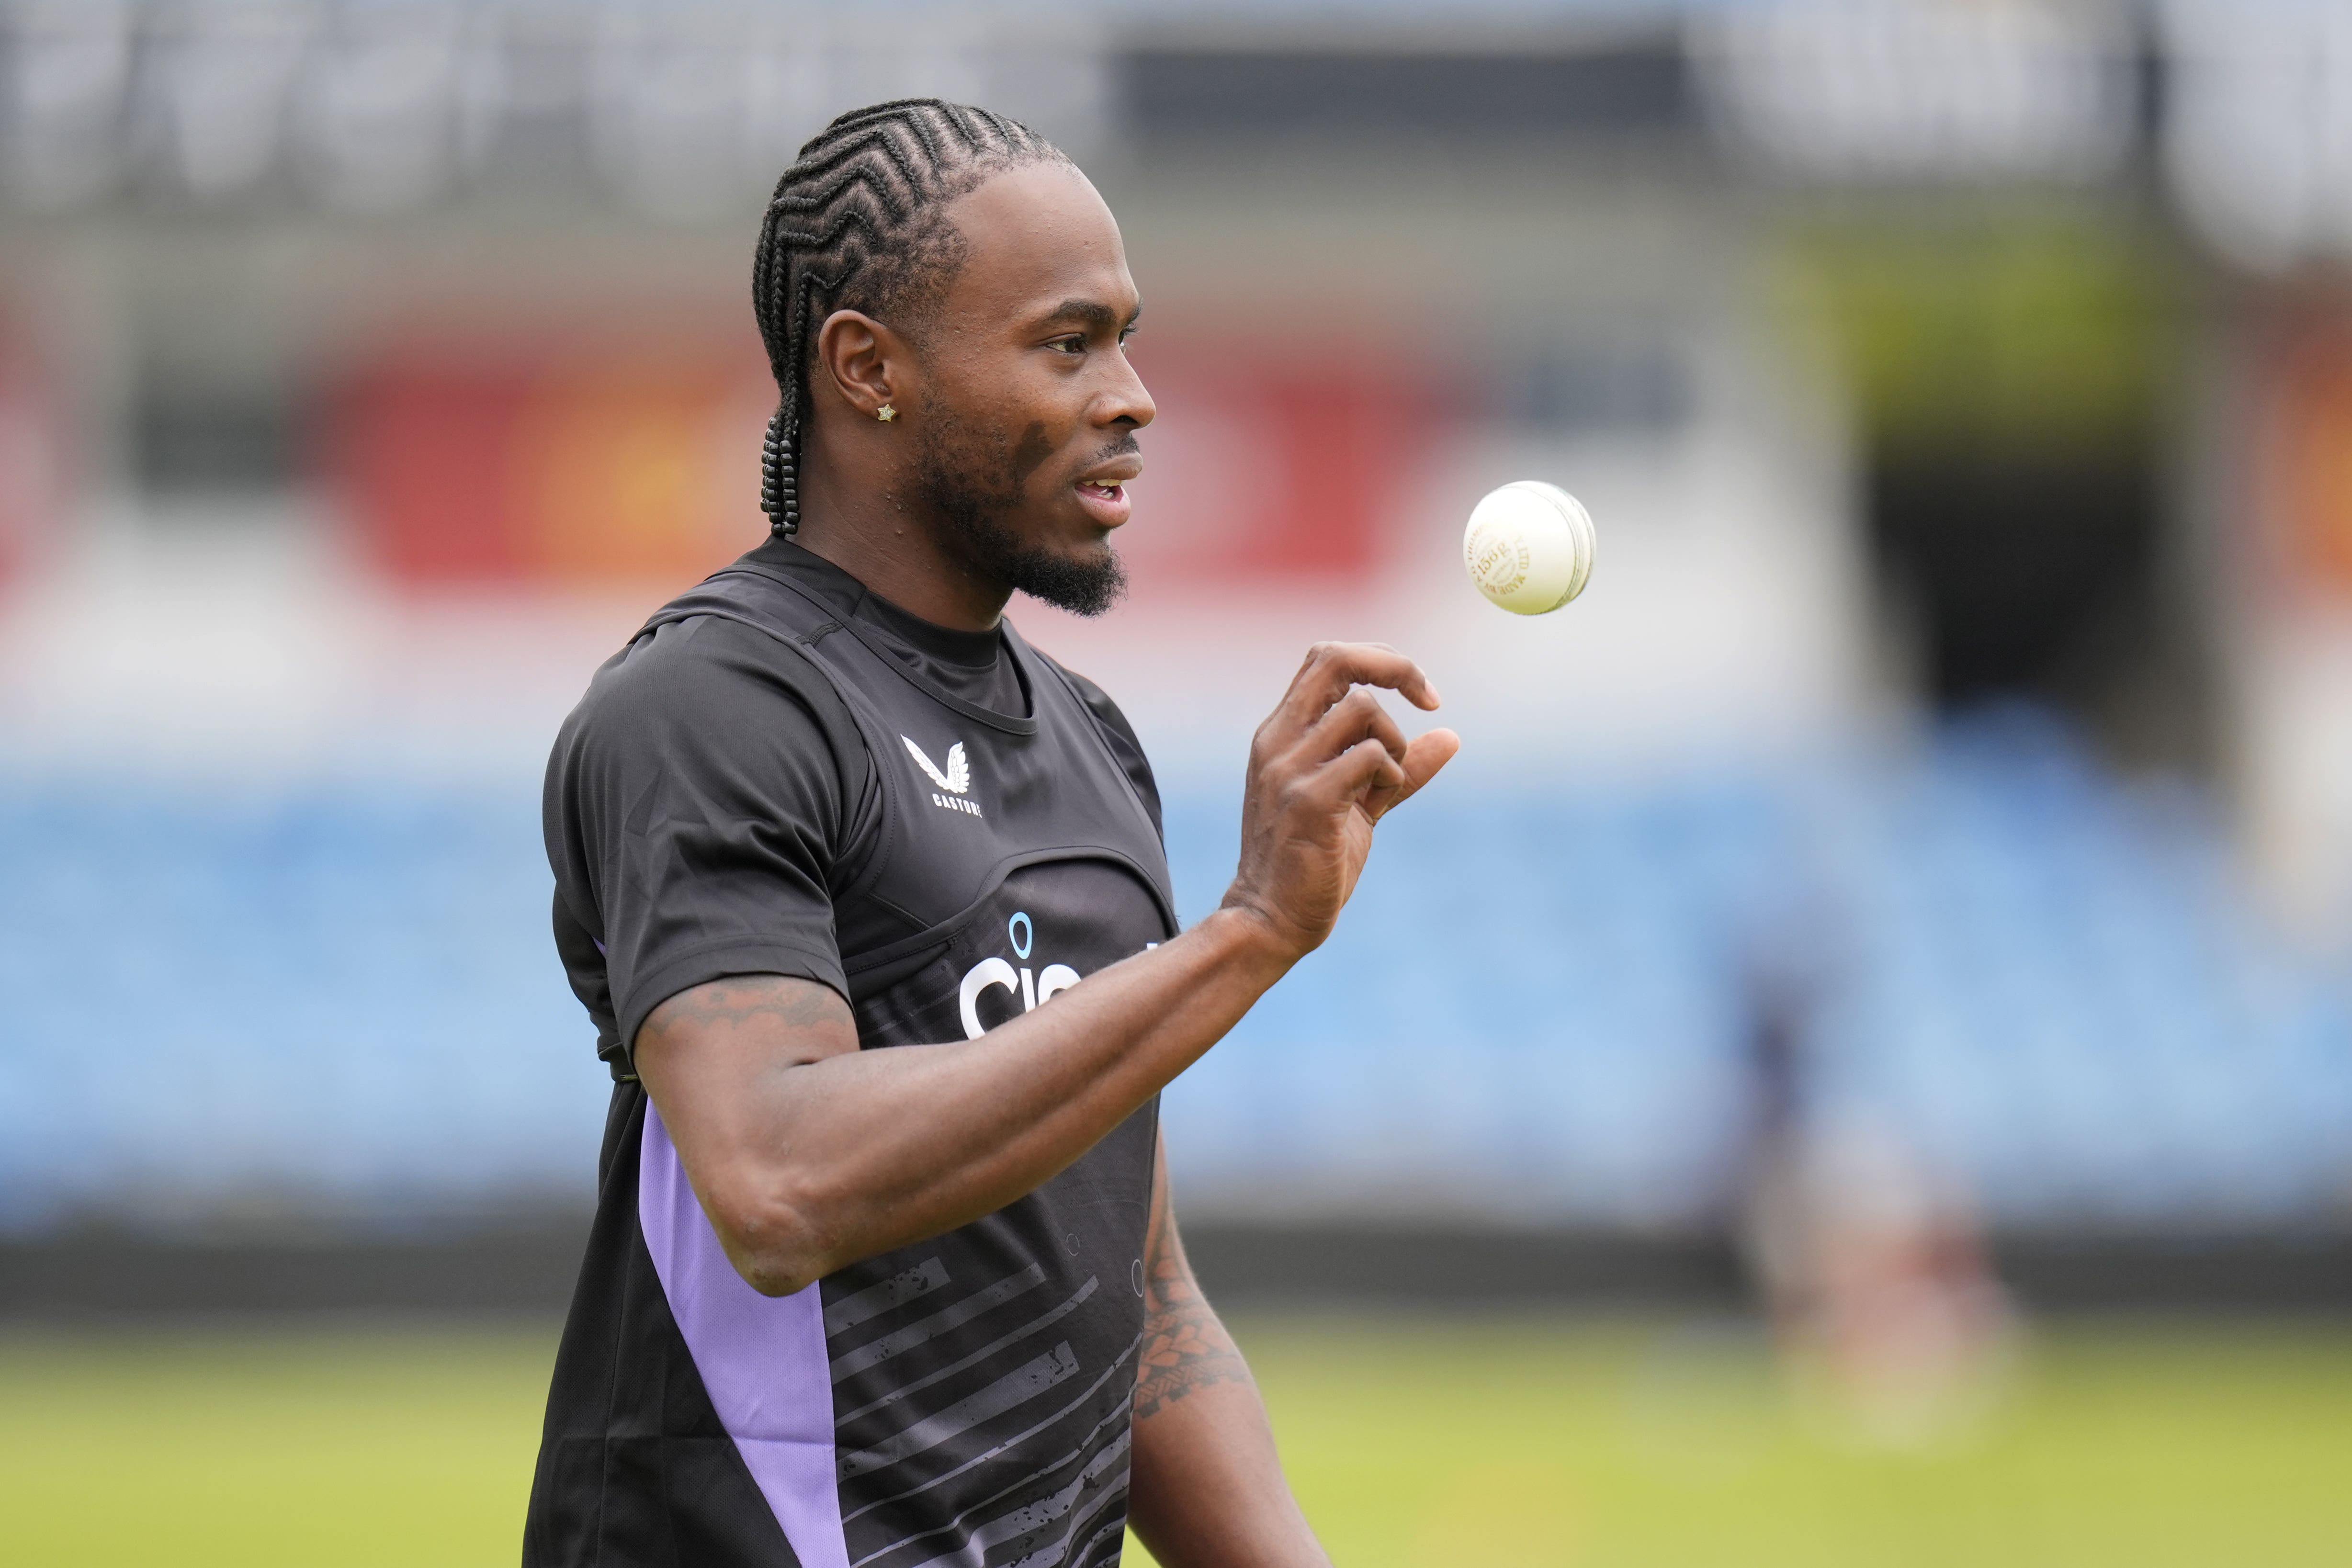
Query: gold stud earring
886	413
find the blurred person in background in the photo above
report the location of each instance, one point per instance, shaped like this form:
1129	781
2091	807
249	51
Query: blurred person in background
1869	1257
846	1304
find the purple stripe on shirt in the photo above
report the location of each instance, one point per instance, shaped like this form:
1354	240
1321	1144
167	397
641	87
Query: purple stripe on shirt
762	1358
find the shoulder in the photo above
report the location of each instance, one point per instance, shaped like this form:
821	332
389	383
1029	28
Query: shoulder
1119	734
713	705
741	633
1099	702
698	726
699	669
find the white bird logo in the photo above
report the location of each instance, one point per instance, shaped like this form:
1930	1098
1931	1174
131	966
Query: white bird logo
958	777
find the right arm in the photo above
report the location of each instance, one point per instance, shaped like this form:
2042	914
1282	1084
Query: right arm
808	1155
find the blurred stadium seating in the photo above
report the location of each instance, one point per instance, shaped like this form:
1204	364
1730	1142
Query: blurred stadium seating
2039	975
337	1002
341	1000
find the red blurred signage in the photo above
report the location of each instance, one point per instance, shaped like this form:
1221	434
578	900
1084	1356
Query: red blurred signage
2308	442
640	467
582	468
1261	466
32	453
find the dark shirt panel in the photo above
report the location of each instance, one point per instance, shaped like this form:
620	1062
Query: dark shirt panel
710	798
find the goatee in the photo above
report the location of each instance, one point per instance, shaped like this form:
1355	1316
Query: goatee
1082	587
956	478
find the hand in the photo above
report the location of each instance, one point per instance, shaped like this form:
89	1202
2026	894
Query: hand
1327	764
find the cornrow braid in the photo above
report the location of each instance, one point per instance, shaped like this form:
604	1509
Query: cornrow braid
858	223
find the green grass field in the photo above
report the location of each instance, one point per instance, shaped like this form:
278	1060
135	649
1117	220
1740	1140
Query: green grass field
1419	1442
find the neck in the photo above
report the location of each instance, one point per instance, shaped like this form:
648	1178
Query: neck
882	534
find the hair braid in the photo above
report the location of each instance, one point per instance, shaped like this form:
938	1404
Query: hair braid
858	223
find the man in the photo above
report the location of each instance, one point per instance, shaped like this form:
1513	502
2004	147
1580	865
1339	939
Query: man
846	1304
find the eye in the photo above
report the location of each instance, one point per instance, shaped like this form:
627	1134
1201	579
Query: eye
1076	343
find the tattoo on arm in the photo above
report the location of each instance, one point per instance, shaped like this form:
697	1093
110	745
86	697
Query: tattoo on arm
796	1004
1184	1346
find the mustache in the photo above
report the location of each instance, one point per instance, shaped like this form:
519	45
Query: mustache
1123	446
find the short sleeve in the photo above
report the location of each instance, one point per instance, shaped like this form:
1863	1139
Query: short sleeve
697	804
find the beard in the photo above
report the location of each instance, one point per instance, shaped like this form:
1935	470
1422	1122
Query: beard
971	483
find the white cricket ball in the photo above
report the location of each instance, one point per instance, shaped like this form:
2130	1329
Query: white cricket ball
1529	547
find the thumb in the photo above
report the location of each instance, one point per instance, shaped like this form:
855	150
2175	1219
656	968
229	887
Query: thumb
1423	756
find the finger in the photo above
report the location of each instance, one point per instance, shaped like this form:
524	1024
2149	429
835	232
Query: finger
1356	717
1426	755
1325	680
1363	768
1332	668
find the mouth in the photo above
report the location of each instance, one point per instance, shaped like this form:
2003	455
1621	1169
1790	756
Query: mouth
1103	493
1106	503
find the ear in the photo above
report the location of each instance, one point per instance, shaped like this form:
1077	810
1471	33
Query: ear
865	363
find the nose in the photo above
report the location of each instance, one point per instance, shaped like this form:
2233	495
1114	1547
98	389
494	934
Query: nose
1126	401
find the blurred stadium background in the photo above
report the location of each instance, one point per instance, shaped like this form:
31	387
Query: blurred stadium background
1910	892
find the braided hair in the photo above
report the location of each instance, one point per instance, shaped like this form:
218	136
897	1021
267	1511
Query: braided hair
859	222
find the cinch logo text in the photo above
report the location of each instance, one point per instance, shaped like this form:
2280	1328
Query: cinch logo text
1032	988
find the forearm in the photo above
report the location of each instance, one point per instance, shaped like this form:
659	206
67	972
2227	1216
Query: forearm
834	1159
1206	1488
809	1154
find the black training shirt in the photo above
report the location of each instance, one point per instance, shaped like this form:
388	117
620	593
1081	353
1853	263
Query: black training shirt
784	775
711	789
